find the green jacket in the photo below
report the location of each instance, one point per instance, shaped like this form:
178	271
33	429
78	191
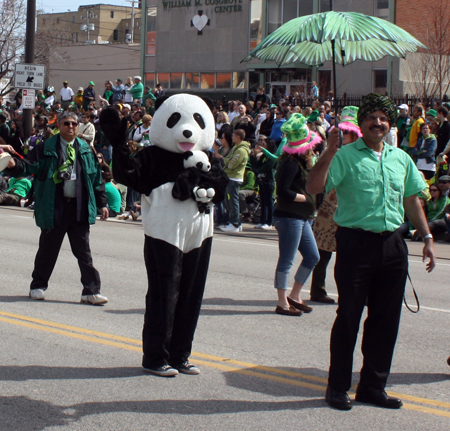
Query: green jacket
236	160
149	95
137	90
45	187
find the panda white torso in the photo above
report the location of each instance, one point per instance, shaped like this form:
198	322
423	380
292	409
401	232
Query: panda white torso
176	222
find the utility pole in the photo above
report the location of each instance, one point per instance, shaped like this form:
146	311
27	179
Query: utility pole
29	57
132	18
88	26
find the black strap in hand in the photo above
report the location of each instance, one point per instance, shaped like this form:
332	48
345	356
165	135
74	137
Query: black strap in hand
415	296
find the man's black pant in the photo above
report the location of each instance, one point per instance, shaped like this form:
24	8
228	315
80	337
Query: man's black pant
319	275
176	282
373	267
50	243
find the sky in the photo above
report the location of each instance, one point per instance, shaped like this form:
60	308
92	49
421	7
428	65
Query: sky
50	6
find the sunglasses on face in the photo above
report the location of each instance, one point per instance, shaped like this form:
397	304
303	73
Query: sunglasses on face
444	182
70	123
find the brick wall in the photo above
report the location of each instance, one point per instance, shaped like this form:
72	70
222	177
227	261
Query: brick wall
415	15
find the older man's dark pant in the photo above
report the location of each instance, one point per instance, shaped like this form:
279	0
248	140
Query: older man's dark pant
373	267
50	243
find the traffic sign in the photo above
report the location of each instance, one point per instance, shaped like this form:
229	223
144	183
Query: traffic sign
30	76
28	99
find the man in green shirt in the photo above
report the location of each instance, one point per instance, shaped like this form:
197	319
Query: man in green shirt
137	90
375	185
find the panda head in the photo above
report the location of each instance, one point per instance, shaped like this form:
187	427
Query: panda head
183	122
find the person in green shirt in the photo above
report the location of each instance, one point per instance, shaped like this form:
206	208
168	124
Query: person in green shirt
137	90
375	184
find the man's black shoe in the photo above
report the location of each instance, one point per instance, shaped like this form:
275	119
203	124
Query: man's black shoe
377	397
338	399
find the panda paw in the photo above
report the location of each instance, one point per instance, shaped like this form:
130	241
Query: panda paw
196	159
114	128
204	195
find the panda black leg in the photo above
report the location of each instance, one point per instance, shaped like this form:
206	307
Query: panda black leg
193	279
164	268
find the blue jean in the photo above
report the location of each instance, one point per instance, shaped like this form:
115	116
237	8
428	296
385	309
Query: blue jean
294	234
232	202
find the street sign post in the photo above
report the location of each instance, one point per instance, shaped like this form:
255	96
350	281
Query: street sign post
30	76
28	99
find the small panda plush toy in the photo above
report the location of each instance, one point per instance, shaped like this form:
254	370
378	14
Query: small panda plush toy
178	181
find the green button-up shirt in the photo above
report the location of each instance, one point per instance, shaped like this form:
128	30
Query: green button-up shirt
370	192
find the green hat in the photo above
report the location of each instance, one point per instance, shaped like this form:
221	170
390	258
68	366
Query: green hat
431	113
272	106
376	102
314	116
91	83
349	120
299	138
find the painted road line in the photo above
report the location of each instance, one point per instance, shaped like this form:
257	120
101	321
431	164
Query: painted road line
71	331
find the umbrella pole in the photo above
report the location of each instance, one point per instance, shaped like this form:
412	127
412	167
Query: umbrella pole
334	82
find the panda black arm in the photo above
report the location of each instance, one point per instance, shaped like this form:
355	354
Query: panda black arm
135	171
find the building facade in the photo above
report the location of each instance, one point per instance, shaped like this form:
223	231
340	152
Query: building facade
93	24
198	45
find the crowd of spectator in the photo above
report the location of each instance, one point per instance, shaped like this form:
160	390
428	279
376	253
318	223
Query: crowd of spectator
249	142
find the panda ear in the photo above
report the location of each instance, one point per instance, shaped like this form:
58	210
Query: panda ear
160	101
187	154
209	102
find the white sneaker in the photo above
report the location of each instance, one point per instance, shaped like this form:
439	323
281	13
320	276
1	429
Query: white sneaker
258	226
37	294
266	227
96	299
231	229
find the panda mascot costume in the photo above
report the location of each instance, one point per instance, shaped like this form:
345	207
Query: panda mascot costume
178	181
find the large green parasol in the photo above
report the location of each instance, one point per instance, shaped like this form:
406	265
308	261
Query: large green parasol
342	37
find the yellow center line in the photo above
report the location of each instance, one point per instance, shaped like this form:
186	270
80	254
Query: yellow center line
224	363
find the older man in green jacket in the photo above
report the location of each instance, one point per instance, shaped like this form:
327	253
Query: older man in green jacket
68	191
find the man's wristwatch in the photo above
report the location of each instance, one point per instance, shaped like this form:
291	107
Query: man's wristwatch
428	235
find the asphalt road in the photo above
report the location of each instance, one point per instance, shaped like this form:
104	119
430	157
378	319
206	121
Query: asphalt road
68	366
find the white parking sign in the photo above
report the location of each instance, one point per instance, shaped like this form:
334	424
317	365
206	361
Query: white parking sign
30	76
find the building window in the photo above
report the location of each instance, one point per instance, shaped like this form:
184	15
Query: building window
290	10
192	81
223	81
116	35
112	14
73	18
382	9
324	5
163	79
57	20
74	37
380	81
150	79
281	11
274	15
176	81
239	80
151	30
208	81
255	23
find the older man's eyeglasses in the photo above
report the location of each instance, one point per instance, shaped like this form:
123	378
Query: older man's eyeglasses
70	123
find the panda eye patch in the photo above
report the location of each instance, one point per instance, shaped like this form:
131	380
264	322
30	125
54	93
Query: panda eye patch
199	119
173	119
